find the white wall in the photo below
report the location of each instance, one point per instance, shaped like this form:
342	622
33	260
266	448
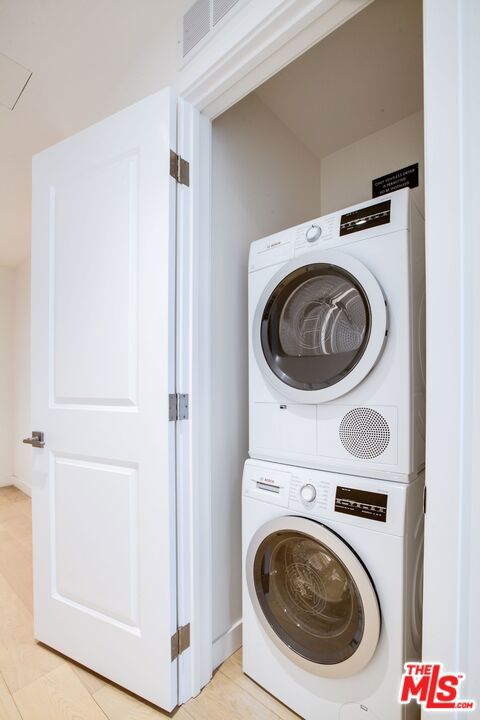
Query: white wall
21	376
15	375
6	375
347	174
451	624
263	180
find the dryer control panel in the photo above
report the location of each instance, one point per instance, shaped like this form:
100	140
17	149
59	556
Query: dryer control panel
365	218
358	222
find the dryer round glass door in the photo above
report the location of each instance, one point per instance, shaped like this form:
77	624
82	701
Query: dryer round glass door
313	596
319	327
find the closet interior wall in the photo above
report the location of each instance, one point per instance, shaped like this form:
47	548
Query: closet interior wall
264	179
307	142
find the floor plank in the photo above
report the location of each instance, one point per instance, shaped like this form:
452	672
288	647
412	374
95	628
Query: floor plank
16	567
19	525
13	494
21	658
92	682
223	698
14	509
232	668
119	705
8	709
58	695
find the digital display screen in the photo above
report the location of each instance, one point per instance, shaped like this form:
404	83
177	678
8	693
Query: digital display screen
361	503
365	218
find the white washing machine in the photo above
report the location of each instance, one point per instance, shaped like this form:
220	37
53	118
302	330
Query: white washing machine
337	342
332	589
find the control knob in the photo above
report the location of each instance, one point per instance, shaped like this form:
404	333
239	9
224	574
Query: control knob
308	493
313	233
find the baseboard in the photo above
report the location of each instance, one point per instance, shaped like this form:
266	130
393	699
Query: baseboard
21	485
227	644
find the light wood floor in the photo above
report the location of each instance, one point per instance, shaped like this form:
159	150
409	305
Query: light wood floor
37	684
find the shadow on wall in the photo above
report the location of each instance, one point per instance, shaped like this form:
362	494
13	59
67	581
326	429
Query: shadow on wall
264	179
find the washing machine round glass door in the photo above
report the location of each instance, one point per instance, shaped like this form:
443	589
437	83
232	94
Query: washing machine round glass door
320	326
313	596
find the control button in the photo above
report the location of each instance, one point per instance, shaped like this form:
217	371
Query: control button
308	493
313	233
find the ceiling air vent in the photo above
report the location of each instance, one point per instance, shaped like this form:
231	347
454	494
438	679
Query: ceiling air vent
201	19
13	81
196	24
221	8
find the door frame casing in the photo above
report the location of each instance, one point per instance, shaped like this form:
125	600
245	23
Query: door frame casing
452	531
266	37
193	377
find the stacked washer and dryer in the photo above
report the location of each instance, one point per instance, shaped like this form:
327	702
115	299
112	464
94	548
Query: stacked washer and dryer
333	490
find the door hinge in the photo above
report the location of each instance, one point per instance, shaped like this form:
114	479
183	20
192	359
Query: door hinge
178	406
180	641
425	500
179	169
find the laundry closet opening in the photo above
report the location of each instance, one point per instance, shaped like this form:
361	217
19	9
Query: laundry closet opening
306	143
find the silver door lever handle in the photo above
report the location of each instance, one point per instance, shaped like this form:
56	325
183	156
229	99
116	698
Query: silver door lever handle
37	440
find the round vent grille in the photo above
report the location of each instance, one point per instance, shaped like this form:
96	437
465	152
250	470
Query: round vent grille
364	433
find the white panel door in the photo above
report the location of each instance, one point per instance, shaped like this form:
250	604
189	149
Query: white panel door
103	310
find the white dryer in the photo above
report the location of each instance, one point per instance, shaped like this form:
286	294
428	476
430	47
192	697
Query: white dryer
336	354
332	589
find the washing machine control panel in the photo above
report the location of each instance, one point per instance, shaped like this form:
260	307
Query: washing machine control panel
332	497
362	503
308	494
